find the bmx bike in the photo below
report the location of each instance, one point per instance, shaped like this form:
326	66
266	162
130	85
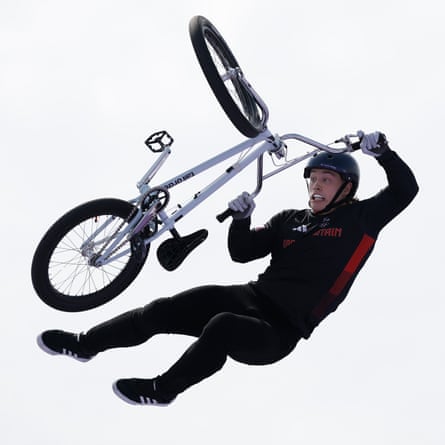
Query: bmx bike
95	251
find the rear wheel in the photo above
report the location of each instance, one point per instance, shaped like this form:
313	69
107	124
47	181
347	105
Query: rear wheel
63	271
224	76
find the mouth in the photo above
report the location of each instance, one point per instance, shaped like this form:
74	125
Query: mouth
317	197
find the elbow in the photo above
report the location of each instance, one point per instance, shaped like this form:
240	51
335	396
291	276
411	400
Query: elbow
240	260
409	197
414	190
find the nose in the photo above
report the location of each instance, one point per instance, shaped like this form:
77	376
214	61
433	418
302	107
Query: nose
315	185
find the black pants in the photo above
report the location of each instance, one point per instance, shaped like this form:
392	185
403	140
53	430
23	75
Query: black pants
227	321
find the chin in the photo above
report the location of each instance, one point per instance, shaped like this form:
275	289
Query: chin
316	208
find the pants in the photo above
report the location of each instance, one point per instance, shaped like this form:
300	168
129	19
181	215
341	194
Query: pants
226	320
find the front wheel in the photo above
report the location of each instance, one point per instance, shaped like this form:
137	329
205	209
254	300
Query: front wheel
224	74
63	271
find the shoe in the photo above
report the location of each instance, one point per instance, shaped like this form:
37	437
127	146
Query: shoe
65	343
141	392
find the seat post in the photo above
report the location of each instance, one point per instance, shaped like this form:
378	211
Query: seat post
175	233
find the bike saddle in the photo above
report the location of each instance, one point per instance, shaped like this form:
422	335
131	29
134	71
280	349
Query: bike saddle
172	252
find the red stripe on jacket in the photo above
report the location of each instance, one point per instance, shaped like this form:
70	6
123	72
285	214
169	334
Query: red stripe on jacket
343	279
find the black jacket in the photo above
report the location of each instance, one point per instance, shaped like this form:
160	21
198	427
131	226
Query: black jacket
315	259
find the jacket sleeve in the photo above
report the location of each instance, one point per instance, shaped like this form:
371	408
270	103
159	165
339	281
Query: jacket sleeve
396	196
247	244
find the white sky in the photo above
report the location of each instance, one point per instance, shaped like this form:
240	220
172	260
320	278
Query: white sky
82	84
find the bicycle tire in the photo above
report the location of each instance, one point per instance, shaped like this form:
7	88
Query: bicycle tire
237	101
60	272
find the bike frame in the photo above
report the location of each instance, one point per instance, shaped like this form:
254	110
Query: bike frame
256	147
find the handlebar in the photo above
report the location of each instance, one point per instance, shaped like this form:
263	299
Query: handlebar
224	215
355	146
349	146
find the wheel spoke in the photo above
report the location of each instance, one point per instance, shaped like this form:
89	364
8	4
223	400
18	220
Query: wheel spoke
69	269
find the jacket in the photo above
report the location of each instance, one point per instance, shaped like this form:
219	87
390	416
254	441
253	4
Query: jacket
314	259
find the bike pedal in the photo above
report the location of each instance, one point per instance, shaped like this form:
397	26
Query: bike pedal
157	142
172	252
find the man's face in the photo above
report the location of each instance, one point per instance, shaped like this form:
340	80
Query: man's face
322	187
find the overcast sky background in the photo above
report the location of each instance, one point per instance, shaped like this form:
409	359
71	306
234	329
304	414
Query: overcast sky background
82	84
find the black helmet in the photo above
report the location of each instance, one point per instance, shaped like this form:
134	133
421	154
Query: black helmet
342	163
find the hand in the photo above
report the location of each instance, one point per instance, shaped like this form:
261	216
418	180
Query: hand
373	144
242	206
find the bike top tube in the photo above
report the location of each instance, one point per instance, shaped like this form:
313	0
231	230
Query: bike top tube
199	168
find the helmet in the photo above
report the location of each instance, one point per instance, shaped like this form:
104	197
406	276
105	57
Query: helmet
342	163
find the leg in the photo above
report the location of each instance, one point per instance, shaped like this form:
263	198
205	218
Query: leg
244	338
186	313
241	334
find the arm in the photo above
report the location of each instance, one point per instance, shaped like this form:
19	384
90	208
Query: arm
402	184
246	244
401	189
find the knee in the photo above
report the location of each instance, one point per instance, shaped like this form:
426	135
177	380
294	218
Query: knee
159	303
157	307
219	327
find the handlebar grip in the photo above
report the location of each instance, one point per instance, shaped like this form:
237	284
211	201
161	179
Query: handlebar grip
224	215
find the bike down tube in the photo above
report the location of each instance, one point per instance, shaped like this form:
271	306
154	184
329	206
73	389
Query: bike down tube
169	221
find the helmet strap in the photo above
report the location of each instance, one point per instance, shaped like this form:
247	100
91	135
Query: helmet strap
333	204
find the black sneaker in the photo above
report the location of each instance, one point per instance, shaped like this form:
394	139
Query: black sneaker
59	342
141	392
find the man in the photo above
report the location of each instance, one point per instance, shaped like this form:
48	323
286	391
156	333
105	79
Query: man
316	254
